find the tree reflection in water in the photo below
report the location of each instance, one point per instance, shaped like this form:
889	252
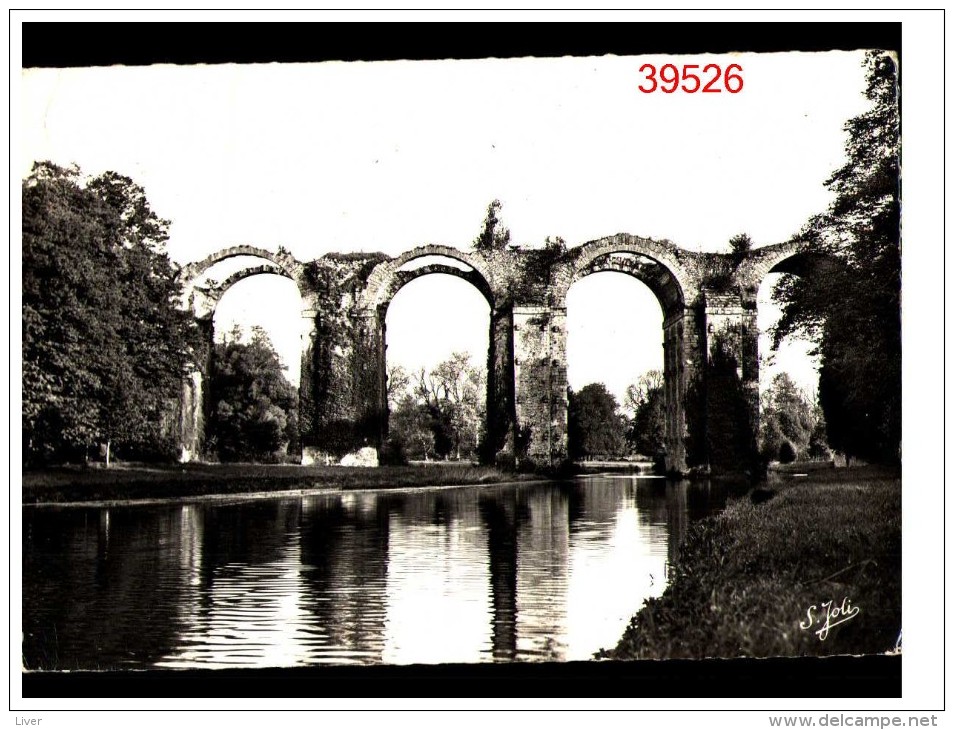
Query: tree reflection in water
543	572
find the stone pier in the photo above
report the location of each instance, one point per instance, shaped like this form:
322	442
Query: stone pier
709	339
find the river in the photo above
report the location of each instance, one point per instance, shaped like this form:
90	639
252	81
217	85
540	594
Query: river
534	572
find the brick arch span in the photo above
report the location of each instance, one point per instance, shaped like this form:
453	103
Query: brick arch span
386	279
202	297
661	266
288	264
401	278
671	274
792	257
649	272
220	288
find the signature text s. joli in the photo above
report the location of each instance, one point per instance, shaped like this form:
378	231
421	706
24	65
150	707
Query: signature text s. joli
828	615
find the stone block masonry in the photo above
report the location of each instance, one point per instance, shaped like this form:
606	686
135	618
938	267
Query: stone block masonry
710	344
541	384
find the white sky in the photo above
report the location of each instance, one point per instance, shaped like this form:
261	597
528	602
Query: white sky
387	156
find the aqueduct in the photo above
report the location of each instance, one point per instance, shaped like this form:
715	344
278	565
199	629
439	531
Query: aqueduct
710	342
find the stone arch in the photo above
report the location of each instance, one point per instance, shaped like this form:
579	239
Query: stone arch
221	287
792	257
669	273
387	278
282	259
660	267
402	278
646	270
201	298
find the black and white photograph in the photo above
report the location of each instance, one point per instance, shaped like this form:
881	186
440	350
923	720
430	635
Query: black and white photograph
539	360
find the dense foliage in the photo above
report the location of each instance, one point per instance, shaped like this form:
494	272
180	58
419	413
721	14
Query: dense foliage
853	308
646	399
740	246
790	427
595	426
254	407
104	344
439	413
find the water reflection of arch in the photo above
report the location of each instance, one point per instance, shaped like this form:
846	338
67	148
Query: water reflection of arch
344	544
527	531
499	515
246	533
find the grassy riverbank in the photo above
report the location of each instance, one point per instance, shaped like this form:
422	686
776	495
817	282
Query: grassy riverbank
746	578
129	482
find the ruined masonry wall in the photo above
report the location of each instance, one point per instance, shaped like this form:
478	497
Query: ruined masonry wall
710	343
541	383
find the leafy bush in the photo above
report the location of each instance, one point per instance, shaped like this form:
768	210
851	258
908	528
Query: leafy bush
393	453
254	406
786	453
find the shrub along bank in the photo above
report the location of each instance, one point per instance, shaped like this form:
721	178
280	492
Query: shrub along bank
754	581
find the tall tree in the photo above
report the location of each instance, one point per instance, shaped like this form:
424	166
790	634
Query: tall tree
104	342
445	413
464	386
254	414
411	427
595	426
432	394
787	424
854	310
399	380
453	394
494	236
646	400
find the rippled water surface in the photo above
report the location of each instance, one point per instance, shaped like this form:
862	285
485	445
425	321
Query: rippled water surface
533	572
